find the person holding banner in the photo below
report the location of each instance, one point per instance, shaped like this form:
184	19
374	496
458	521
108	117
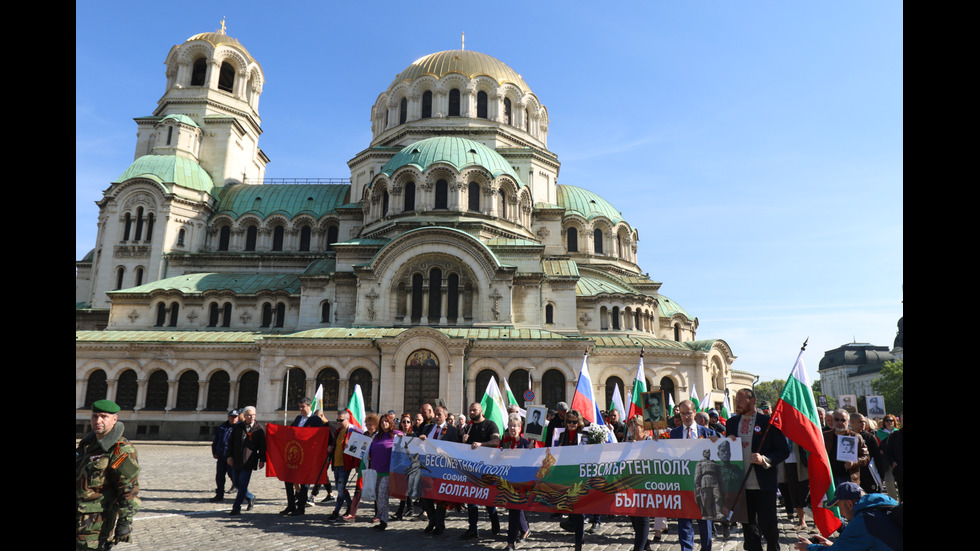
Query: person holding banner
641	525
439	429
763	447
379	456
690	429
481	432
296	501
574	423
517	527
343	464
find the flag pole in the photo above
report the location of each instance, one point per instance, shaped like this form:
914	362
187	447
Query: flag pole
745	479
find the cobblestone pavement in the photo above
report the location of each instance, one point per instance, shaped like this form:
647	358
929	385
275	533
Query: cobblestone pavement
177	480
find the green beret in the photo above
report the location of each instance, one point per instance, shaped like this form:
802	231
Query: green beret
105	406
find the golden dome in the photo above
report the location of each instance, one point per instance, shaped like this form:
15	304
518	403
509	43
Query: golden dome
217	37
468	63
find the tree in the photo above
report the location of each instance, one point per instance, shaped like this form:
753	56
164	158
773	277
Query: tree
890	385
769	391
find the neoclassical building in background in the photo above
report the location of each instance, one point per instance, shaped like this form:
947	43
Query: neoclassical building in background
450	255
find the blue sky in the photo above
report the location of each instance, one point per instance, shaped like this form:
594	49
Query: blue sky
756	146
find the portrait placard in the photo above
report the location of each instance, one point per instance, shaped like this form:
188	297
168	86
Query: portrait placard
876	406
534	429
654	409
847	448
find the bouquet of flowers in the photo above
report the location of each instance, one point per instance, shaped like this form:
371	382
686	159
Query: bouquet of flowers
595	434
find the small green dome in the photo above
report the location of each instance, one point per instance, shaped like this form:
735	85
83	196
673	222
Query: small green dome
586	204
458	152
183	119
170	170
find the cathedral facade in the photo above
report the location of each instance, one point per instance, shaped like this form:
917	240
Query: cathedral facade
449	256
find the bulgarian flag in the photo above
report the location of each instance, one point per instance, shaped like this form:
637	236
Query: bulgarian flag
639	387
796	415
511	400
493	406
355	409
694	397
725	409
317	400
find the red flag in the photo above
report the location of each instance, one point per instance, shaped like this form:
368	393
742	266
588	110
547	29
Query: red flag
297	454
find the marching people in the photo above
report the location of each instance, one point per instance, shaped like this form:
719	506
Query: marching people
219	447
574	424
439	429
480	432
379	456
246	453
296	494
517	526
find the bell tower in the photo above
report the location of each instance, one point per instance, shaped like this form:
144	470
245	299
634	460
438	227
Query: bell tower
209	111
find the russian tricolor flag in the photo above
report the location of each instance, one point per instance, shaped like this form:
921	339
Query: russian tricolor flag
584	400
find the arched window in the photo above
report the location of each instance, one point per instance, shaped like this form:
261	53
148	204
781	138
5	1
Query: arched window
149	227
452	298
482	380
305	233
402	111
278	234
677	332
161	315
224	237
362	377
331	387
120	272
181	233
473	196
507	110
170	134
597	241
219	389
552	388
96	389
226	78
611	384
384	203
549	314
481	105
435	295
251	236
409	197
332	233
157	389
248	389
421	379
615	318
139	224
603	319
527	120
174	310
139	276
572	240
417	283
502	197
518	380
442	194
199	72
213	315
454	102
127	226
266	315
325	312
127	389
426	104
226	315
296	390
187	388
280	314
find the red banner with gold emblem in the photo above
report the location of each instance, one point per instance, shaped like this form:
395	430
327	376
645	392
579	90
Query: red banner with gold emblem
297	454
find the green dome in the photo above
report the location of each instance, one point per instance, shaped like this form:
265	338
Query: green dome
460	153
586	204
170	170
287	199
184	119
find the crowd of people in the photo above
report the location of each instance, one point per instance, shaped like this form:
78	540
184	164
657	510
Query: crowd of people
774	469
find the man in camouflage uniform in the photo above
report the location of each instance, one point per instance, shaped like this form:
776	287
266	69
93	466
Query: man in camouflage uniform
106	481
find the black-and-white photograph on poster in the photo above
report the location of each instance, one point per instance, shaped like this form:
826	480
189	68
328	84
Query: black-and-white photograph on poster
876	406
847	448
534	428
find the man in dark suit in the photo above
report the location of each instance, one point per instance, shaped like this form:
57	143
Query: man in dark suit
246	453
296	501
438	429
689	429
763	447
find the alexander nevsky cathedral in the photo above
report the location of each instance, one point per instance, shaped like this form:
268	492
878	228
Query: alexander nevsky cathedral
449	256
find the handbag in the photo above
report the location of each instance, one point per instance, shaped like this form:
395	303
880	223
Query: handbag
369	479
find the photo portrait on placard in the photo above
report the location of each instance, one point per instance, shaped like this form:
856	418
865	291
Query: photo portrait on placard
848	402
654	409
535	425
847	448
876	406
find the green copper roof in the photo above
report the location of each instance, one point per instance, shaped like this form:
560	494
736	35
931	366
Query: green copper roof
170	170
637	342
591	286
184	119
286	199
241	284
555	267
586	204
668	308
168	336
460	153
